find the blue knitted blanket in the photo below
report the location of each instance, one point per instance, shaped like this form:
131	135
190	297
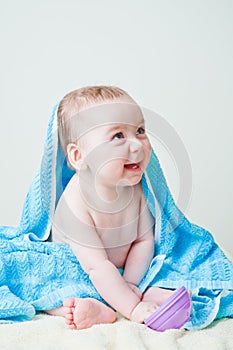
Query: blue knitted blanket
36	274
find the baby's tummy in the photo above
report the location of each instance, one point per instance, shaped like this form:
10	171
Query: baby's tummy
118	236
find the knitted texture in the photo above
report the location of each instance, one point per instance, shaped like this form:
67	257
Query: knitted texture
36	274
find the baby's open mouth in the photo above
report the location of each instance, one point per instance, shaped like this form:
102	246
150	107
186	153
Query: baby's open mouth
132	166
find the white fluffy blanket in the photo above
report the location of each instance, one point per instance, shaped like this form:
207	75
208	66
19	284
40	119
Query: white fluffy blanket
50	333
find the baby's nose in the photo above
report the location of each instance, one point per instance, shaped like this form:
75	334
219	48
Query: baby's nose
135	145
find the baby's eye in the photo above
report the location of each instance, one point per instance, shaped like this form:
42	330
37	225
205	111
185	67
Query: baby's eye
140	131
118	136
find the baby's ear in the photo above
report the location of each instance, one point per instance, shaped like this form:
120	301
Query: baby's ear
74	156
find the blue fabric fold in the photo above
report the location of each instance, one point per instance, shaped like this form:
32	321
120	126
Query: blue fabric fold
36	274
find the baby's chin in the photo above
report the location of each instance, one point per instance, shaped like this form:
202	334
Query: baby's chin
134	180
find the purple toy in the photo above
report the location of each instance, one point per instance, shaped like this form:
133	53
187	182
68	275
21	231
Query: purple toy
173	313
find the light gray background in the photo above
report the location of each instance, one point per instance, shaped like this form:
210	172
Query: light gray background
173	57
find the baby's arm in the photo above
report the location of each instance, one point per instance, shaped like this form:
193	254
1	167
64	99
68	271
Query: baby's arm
142	250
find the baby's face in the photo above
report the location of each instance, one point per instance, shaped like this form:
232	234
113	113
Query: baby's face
113	142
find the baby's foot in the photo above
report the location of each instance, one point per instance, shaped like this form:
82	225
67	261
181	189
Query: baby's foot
158	295
84	313
143	310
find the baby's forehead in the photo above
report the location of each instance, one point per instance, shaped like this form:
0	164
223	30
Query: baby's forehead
109	115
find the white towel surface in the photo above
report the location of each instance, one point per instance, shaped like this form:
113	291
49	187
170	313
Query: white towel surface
46	332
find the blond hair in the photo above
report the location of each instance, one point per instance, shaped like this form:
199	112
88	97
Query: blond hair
78	100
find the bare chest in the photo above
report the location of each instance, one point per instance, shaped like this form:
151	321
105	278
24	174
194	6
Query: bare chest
117	229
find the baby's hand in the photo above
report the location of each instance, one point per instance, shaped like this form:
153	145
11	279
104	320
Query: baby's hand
143	310
135	289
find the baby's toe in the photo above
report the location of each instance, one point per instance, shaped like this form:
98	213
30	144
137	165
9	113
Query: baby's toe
69	302
69	317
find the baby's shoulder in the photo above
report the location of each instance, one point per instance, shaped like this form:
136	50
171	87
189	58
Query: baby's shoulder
71	203
142	199
139	191
138	198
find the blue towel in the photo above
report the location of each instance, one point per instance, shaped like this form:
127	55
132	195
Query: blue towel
36	274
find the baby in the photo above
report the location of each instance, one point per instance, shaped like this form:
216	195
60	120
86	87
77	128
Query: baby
102	213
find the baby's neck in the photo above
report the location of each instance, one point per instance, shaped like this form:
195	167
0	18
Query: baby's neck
102	197
111	194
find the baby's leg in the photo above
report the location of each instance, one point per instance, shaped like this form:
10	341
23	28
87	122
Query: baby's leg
84	313
156	294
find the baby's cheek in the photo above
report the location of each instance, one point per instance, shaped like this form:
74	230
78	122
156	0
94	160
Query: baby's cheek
114	167
147	150
147	146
